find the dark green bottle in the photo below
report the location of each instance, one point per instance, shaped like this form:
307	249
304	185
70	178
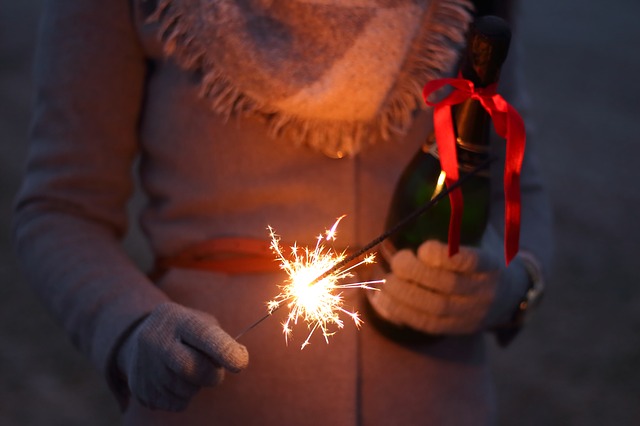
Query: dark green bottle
487	46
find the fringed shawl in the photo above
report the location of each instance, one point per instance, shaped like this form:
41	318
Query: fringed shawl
332	74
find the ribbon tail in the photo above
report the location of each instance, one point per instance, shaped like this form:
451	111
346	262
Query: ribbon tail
512	217
455	220
516	141
445	138
509	125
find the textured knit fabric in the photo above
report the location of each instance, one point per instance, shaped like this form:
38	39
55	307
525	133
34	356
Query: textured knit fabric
330	73
436	293
107	93
173	353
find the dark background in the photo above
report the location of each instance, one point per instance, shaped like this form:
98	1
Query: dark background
578	363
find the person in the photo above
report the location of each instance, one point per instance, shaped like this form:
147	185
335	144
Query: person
236	115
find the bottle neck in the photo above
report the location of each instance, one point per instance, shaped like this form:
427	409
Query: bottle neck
487	46
469	156
472	125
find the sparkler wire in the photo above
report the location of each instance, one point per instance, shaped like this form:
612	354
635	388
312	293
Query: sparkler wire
380	238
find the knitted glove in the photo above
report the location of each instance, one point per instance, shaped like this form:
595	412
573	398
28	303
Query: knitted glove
437	294
175	351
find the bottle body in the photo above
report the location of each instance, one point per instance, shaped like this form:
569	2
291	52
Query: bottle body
422	180
487	46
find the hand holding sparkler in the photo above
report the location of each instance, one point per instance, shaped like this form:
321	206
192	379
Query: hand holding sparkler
174	352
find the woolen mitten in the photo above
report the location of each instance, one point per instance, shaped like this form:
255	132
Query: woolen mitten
437	294
174	352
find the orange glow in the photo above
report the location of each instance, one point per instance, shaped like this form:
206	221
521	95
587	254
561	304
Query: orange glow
439	184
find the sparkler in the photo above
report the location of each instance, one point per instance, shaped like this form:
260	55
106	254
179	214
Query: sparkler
313	275
309	293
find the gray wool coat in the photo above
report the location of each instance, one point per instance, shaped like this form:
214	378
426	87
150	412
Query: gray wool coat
106	96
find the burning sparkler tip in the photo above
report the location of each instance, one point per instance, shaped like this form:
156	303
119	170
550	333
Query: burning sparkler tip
310	289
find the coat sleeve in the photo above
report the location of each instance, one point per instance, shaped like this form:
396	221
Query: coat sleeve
70	213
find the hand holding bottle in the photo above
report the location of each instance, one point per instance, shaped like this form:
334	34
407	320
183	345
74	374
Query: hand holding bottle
436	294
173	353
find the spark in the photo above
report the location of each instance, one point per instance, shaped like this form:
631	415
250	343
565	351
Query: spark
313	288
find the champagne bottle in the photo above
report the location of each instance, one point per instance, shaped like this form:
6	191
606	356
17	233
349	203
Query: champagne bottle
487	46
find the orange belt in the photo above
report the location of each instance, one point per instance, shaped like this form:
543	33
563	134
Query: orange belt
229	255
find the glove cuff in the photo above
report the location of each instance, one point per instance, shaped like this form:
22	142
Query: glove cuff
505	333
116	371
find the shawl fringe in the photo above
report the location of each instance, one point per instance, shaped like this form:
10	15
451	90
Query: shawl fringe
432	54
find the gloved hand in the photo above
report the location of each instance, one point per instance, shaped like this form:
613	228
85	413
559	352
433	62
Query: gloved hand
437	294
174	352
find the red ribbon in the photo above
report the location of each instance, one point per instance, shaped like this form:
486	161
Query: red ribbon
508	124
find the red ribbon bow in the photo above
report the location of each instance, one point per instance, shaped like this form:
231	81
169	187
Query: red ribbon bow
508	124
